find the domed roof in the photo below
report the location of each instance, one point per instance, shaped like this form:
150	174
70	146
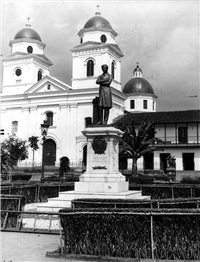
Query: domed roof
138	85
28	33
97	21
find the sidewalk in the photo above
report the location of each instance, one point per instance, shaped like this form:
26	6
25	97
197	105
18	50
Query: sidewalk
29	247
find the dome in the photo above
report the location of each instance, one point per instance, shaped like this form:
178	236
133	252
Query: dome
28	33
138	85
97	22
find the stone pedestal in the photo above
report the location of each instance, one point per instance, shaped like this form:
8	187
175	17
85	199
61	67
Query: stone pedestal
102	174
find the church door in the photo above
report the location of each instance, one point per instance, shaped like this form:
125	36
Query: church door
49	152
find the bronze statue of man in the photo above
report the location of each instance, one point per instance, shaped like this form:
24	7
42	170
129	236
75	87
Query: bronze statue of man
105	95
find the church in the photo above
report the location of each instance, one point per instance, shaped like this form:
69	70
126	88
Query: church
30	95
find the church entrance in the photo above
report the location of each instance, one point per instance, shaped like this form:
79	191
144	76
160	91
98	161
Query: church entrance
49	152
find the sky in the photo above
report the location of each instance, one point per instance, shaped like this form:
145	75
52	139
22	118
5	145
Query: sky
163	36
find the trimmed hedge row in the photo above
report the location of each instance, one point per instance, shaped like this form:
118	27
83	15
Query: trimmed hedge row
37	192
14	203
168	191
182	203
134	233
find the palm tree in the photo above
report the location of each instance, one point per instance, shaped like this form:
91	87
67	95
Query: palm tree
134	143
33	143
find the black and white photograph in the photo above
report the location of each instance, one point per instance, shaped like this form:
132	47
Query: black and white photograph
100	130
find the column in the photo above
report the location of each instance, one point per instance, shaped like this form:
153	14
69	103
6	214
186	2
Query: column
24	124
63	129
73	108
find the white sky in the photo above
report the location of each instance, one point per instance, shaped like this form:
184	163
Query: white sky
163	36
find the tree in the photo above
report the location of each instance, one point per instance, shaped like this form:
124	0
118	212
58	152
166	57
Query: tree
13	149
33	143
64	166
134	143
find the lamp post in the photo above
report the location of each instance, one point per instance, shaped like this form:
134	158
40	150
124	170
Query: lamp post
44	130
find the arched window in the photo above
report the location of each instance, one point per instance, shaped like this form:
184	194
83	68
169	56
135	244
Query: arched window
49	118
113	69
14	127
90	68
39	75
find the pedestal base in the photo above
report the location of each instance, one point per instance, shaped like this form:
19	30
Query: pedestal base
65	198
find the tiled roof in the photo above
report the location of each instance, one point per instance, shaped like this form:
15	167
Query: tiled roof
187	116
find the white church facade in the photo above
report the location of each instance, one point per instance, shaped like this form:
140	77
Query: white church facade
30	94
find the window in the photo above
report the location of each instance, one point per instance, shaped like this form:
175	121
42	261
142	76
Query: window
148	161
188	161
49	87
132	104
103	38
49	118
153	106
39	75
14	127
182	135
18	72
145	104
113	69
30	49
90	68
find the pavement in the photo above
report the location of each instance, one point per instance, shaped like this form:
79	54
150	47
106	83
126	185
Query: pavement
29	247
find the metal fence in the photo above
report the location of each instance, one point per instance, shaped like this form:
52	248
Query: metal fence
24	165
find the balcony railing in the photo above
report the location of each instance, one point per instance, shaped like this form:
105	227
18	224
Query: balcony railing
173	141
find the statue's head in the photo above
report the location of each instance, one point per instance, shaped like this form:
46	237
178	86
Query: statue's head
104	67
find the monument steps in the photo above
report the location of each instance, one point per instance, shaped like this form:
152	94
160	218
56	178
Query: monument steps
65	198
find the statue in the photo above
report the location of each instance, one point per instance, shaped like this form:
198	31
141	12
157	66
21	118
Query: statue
171	161
105	95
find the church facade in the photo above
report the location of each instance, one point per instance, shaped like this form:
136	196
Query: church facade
30	94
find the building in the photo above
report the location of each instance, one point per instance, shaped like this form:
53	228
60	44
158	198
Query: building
179	135
31	95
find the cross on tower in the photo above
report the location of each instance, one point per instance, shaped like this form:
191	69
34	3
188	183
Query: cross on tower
28	24
98	12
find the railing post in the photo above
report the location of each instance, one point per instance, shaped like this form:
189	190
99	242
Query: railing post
172	192
152	242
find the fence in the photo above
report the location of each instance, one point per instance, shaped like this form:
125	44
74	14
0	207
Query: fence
27	166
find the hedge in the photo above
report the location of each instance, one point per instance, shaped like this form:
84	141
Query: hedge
14	203
182	203
163	191
137	233
37	192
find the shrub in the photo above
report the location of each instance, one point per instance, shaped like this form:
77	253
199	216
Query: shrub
64	166
190	180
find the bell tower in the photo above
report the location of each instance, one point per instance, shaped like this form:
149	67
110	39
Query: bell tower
97	47
26	64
